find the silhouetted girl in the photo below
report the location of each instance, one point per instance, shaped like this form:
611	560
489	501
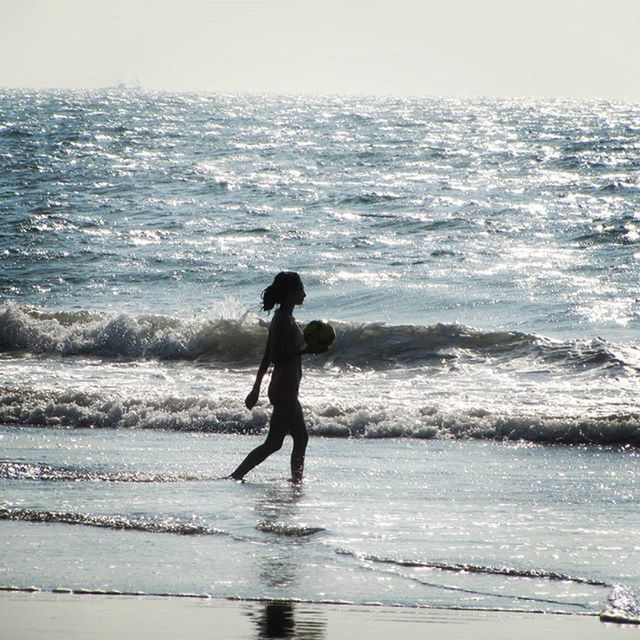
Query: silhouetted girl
285	346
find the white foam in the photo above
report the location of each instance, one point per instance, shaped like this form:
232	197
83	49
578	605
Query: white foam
623	607
227	414
229	333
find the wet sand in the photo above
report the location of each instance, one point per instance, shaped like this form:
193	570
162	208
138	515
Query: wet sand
31	616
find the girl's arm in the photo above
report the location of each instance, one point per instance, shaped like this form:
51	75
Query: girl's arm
252	399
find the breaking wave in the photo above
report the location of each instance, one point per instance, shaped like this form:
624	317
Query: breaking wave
239	338
76	333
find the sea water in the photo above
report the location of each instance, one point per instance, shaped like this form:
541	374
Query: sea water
474	427
408	522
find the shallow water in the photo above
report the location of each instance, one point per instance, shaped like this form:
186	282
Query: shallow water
450	524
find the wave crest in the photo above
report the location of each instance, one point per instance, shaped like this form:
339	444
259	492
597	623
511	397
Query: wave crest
236	339
239	338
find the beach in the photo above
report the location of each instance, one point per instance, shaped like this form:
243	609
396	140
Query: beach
39	615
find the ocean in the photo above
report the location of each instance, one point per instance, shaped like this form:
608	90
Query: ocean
475	426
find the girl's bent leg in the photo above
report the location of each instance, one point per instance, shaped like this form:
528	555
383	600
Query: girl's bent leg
259	454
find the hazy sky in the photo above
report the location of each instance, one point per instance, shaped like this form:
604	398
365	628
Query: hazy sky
404	47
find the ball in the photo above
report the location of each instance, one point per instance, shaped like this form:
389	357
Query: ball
319	335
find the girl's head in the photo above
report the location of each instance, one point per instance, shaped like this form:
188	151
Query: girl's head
286	288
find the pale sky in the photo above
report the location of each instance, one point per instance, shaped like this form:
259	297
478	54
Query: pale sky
395	47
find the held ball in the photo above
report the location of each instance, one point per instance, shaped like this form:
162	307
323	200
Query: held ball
319	335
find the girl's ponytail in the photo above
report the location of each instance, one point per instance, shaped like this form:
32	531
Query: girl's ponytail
269	298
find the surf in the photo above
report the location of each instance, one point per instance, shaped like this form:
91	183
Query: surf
239	339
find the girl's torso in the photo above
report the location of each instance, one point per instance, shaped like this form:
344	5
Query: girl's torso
286	339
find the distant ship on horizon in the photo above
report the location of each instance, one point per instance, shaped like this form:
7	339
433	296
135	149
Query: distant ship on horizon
123	86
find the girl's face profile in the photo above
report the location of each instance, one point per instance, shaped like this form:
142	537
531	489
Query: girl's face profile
297	294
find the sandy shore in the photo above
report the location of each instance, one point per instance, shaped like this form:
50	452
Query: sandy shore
30	616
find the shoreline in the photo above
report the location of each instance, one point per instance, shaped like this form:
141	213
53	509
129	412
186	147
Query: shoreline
30	614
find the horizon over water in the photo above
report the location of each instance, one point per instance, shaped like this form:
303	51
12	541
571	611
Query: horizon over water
479	259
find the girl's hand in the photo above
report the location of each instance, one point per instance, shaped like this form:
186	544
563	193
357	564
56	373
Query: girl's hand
252	399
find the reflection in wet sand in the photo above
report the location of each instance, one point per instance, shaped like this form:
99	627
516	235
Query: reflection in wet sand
286	620
277	510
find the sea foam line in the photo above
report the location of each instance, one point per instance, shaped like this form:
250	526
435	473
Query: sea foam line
119	522
288	530
26	406
472	568
445	587
274	600
12	470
